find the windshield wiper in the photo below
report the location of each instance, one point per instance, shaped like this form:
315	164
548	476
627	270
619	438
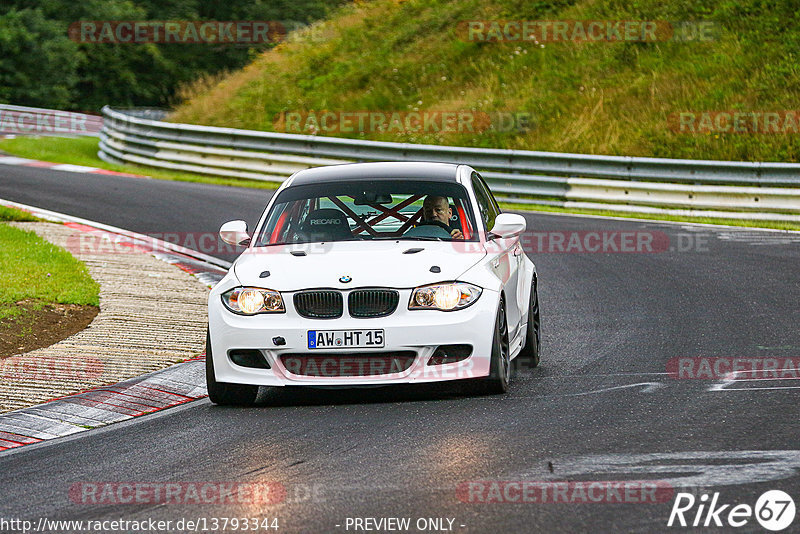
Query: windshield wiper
406	238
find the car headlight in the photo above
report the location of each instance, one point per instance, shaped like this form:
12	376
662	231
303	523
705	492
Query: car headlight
445	297
253	300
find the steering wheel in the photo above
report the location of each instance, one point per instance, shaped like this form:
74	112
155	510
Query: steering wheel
436	223
433	229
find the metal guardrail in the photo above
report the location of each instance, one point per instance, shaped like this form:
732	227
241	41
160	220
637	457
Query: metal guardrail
711	188
20	120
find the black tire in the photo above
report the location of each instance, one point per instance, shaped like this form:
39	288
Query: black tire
500	367
223	393
529	355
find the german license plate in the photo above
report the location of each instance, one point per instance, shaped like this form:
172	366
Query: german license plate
345	339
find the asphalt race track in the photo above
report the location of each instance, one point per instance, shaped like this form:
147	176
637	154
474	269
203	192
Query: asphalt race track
601	407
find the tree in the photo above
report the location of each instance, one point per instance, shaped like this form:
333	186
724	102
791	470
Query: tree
38	63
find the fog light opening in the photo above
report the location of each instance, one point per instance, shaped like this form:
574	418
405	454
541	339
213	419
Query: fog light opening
450	354
248	358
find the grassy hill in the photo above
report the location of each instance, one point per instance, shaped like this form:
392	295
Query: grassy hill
587	97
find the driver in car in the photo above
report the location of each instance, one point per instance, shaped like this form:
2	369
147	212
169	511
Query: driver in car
436	210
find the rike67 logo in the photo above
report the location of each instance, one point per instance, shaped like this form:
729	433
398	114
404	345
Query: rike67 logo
774	510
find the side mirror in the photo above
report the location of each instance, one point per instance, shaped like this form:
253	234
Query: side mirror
235	233
508	225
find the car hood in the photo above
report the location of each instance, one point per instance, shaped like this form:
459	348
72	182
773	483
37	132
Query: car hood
398	264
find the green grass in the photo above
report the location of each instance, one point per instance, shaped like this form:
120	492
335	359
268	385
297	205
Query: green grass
13	214
598	98
32	269
83	151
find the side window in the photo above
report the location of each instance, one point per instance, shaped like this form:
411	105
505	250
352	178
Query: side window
486	203
491	196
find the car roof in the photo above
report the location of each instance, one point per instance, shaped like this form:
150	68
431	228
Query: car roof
426	171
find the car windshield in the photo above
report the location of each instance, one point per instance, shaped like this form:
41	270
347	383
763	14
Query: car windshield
369	210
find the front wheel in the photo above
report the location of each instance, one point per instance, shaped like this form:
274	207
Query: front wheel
223	393
500	366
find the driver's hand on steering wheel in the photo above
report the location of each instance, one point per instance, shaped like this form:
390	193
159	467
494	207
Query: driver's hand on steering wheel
456	234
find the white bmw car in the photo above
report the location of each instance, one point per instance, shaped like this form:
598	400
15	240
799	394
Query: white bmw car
374	274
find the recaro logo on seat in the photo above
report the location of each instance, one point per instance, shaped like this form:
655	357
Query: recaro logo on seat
325	221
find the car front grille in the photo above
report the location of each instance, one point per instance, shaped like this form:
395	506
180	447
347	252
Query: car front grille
372	302
319	304
337	364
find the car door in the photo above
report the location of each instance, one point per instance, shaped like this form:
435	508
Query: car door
505	255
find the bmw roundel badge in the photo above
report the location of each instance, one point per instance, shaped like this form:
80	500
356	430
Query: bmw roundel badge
344	279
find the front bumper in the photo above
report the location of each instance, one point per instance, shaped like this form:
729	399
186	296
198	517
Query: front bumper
418	331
